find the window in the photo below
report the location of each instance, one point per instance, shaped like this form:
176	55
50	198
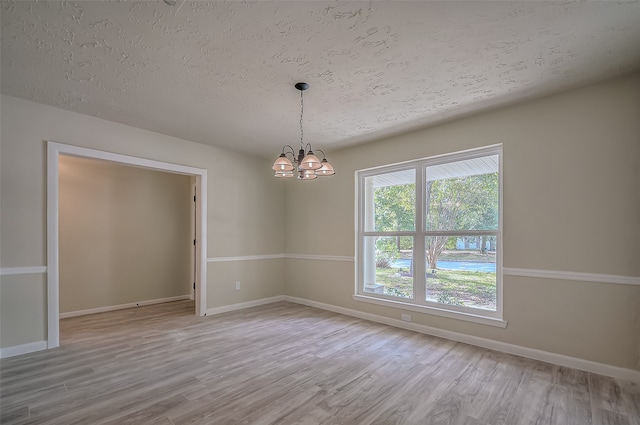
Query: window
429	235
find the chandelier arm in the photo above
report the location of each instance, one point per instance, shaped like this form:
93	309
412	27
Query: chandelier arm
293	152
323	155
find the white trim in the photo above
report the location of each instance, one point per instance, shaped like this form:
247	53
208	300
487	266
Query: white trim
443	157
318	257
500	240
365	271
239	306
244	258
451	314
123	306
54	150
53	278
583	277
124	159
518	350
14	271
509	271
17	350
201	242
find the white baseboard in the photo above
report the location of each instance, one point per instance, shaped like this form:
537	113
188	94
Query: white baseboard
123	306
518	350
17	350
232	307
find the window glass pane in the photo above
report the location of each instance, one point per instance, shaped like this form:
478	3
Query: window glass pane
388	265
462	195
461	270
389	201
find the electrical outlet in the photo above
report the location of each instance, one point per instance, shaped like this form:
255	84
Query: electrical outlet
406	317
237	286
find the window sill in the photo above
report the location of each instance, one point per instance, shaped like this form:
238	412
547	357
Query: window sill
468	317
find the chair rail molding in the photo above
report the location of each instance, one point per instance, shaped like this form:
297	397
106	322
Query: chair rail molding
564	275
15	271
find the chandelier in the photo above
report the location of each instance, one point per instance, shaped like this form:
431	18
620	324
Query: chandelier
306	165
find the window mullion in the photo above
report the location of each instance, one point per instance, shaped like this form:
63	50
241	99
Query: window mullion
419	289
461	232
403	233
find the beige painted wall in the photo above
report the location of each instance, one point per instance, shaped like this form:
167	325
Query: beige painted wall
125	234
23	301
571	203
245	206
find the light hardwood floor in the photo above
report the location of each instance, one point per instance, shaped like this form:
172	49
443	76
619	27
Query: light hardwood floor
289	364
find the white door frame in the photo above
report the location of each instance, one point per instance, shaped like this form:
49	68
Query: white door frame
54	150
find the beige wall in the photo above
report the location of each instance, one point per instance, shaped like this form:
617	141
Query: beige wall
23	309
125	234
250	274
245	206
571	203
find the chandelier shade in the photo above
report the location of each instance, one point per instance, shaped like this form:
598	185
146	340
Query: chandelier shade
310	162
282	163
326	169
308	175
281	174
306	165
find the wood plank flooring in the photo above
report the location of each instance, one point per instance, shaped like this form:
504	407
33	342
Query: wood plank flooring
286	364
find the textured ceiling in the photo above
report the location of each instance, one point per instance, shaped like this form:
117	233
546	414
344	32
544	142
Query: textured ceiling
222	73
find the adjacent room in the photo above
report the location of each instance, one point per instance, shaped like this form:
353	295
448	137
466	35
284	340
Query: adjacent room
125	236
320	212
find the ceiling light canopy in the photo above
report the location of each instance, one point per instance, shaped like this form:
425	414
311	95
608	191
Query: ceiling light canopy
306	166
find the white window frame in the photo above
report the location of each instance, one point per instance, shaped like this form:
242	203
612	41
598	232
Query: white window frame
418	303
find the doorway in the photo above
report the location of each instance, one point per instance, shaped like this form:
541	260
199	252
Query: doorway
53	256
125	236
